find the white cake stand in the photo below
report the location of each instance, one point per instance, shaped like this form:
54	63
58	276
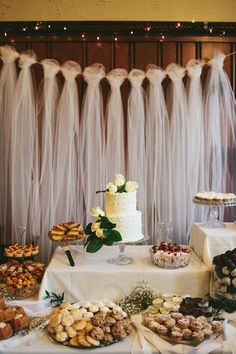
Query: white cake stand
122	259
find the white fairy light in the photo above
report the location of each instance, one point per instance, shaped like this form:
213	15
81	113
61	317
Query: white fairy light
148	28
116	38
83	35
131	32
49	26
193	21
24	29
5	34
65	28
36	27
98	38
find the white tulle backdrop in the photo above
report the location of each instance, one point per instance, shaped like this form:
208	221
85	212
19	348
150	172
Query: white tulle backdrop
55	154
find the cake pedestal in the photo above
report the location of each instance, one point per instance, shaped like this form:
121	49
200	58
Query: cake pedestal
213	215
122	259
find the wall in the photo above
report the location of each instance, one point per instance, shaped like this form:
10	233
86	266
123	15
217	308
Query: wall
118	10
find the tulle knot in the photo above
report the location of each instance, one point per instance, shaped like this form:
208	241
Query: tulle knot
175	72
27	59
8	54
70	69
217	61
194	68
93	74
50	68
155	74
116	77
136	77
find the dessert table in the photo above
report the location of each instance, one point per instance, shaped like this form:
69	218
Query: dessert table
209	242
93	278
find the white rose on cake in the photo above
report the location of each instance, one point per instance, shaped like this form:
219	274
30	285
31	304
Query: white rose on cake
112	188
119	180
95	212
131	186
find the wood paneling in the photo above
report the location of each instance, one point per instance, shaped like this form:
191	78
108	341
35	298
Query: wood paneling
128	52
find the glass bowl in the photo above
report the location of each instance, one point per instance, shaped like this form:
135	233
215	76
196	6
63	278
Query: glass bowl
171	260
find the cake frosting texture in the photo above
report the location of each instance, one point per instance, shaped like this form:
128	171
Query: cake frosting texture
120	208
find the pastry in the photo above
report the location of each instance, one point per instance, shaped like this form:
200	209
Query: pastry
97	333
6	330
19	321
176	335
2	304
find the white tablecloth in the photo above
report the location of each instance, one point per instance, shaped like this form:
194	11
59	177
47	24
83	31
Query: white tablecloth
209	242
94	278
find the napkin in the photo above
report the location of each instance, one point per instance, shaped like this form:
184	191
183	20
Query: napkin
146	336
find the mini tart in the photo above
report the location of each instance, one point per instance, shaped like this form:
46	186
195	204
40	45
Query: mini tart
6	330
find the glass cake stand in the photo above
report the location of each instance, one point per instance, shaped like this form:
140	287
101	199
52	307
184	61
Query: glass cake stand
122	259
213	214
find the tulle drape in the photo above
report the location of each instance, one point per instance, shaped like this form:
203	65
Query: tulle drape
179	145
23	151
220	118
65	157
136	138
92	140
196	138
158	188
8	79
115	145
48	99
52	164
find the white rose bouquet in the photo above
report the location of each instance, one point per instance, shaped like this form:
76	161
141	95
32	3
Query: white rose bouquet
100	232
119	185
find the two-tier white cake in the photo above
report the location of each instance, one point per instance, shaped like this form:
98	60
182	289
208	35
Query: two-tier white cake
121	209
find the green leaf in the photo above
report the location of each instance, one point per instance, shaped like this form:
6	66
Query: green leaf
47	293
116	236
89	239
121	189
94	246
106	224
108	241
107	233
88	229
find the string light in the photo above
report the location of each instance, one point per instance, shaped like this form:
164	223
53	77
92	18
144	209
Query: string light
210	30
83	35
178	25
24	29
98	38
49	26
163	37
65	28
36	27
131	32
116	39
5	34
193	21
148	28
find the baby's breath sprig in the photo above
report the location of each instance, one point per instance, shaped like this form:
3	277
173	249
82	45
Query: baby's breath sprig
138	300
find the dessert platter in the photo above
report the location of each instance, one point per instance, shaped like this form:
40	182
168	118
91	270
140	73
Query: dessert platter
65	233
18	251
21	278
169	255
214	201
88	325
224	275
185	320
